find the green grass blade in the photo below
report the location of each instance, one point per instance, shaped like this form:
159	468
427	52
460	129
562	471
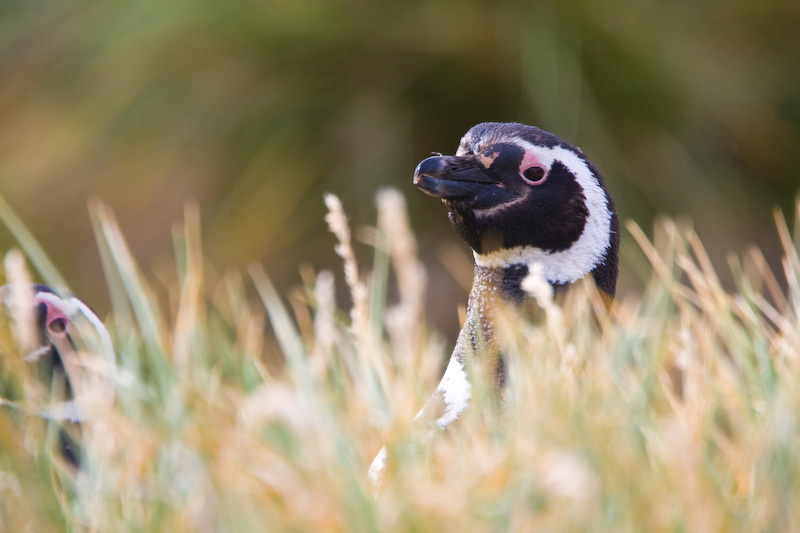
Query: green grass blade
39	259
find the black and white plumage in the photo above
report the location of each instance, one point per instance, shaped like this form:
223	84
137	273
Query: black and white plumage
518	196
60	328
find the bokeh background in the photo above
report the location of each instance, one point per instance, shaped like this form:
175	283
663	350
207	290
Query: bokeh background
255	109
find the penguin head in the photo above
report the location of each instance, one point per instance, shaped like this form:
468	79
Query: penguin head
65	329
518	194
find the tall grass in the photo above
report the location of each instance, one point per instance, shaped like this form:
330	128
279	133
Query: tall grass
260	410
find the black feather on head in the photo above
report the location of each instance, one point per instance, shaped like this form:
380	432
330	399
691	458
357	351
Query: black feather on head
518	194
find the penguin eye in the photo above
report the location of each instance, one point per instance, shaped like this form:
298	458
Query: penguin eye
59	325
534	175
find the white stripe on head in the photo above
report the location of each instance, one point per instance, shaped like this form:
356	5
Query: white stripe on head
565	266
72	307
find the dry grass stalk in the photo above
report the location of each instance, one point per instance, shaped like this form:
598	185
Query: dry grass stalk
406	319
677	411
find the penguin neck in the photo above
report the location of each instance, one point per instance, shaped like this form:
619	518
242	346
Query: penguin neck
492	287
501	285
477	347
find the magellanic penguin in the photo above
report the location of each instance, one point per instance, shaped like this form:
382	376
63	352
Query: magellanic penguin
519	196
65	328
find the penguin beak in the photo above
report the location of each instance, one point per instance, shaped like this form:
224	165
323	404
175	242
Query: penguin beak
452	177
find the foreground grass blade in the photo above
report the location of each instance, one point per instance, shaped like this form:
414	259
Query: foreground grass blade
676	412
30	246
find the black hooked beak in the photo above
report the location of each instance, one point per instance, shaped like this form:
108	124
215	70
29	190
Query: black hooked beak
452	177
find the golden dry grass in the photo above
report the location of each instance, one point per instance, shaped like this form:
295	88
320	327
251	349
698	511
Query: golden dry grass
677	411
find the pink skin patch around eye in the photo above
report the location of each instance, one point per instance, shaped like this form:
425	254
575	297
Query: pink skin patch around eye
55	314
528	161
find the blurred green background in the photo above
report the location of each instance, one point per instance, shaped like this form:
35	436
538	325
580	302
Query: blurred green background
255	109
